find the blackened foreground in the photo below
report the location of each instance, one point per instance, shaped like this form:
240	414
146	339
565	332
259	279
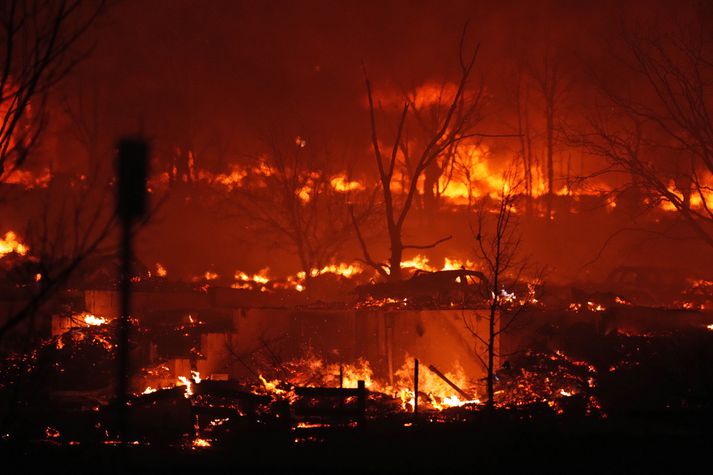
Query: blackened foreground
665	442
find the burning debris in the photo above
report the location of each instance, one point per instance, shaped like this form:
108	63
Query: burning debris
552	379
197	388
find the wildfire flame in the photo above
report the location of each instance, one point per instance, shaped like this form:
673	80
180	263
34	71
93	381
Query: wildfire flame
233	179
93	320
450	263
188	382
418	262
271	386
343	184
262	276
455	264
343	269
439	395
206	276
89	319
10	243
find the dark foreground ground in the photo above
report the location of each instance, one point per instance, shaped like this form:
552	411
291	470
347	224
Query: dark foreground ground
638	443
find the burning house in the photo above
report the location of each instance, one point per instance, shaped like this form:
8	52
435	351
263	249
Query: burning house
285	236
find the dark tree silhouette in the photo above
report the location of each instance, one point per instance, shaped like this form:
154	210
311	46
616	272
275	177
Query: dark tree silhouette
40	46
660	134
498	244
447	130
291	194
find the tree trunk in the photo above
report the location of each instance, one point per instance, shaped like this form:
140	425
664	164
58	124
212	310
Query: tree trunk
395	259
491	355
550	160
430	188
494	304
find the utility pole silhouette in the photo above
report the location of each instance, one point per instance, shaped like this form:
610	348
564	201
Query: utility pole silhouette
131	200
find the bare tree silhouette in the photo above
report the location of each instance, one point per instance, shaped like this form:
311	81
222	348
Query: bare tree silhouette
448	129
661	134
290	194
498	244
41	45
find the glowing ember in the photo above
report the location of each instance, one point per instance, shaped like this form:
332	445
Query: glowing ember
310	425
198	442
548	378
28	179
161	270
371	302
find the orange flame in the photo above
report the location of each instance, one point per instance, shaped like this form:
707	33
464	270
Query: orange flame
188	382
10	243
343	184
161	270
311	371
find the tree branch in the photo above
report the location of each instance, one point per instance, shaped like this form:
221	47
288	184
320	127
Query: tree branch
427	246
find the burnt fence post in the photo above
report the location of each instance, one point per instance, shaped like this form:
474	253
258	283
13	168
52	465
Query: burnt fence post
361	402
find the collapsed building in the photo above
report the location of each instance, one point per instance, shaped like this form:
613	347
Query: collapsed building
214	332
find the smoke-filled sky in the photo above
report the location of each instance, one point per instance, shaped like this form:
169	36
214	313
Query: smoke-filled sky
221	74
